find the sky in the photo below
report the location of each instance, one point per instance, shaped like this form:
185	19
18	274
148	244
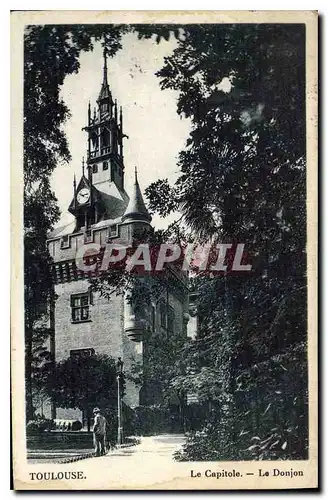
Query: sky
156	132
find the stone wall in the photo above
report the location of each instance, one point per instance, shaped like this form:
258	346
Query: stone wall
59	440
103	331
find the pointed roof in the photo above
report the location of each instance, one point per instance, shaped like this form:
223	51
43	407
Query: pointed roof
105	90
136	209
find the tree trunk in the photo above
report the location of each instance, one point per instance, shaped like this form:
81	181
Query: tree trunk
88	420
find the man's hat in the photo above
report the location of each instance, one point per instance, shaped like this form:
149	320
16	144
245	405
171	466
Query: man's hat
96	410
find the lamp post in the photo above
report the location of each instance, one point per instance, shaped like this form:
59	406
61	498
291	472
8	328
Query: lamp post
119	375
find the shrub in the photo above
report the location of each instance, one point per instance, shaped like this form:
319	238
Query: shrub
150	420
76	425
40	424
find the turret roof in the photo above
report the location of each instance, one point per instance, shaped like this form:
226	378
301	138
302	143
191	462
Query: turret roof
136	209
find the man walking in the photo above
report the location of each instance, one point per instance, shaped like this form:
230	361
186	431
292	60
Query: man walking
99	432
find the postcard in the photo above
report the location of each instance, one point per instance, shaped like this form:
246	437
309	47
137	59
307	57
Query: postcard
164	250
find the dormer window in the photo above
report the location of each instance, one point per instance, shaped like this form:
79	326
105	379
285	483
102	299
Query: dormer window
105	137
94	141
88	236
64	242
113	231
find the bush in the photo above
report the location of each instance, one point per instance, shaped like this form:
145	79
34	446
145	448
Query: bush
76	425
129	427
151	420
267	424
111	416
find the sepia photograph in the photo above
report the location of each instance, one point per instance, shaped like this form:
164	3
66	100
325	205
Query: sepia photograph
167	273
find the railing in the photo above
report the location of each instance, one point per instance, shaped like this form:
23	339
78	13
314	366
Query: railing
102	152
67	425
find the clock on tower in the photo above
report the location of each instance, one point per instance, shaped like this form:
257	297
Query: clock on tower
83	196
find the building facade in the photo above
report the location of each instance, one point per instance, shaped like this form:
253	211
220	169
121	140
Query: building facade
84	322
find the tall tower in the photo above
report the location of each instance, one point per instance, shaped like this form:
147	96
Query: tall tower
105	137
100	193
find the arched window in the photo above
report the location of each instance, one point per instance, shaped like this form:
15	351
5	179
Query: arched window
105	138
104	107
94	141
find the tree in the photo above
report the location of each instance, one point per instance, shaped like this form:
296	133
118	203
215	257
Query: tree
85	382
41	367
39	213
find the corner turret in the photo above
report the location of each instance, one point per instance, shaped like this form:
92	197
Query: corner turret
136	210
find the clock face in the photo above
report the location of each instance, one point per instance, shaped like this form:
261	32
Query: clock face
83	195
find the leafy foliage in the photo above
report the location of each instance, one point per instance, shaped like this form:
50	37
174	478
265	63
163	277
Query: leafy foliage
40	424
41	364
85	382
154	419
162	362
243	180
162	197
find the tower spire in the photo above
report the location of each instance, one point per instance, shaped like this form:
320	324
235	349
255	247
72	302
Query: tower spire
105	82
115	110
83	166
105	65
121	119
136	209
89	114
74	188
